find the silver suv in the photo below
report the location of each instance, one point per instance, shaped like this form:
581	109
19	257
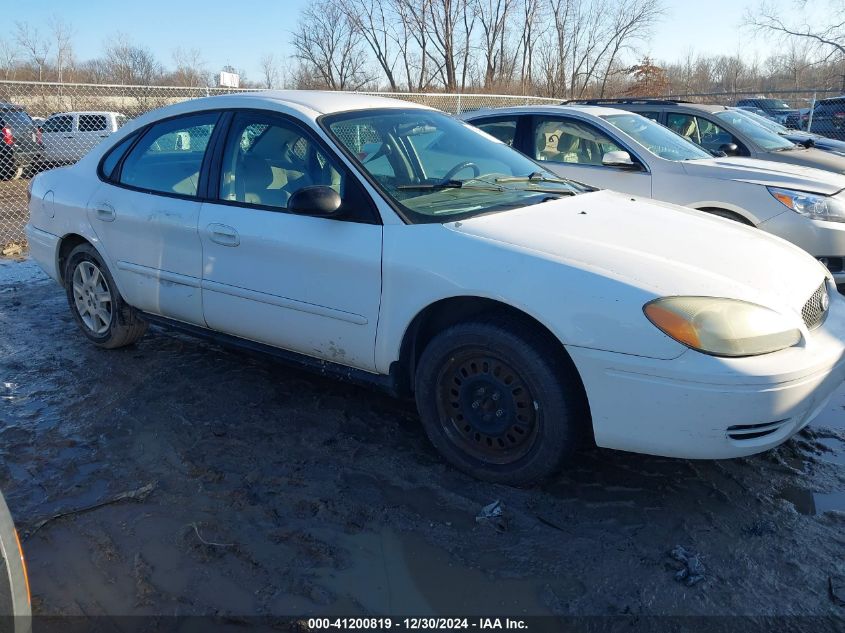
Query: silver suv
724	130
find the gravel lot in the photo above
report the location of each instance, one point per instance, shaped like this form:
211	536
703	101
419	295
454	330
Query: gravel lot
241	488
13	211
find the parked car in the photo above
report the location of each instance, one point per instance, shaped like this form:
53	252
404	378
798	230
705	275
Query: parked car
777	109
726	130
829	117
20	141
520	309
68	136
620	150
801	137
798	120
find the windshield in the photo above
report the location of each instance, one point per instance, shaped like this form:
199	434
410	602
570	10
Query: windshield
767	123
437	169
659	140
764	137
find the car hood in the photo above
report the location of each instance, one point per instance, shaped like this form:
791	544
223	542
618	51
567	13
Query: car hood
657	248
811	157
819	142
768	173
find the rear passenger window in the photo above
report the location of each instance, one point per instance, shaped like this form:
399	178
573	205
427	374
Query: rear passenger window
92	123
502	129
113	157
169	156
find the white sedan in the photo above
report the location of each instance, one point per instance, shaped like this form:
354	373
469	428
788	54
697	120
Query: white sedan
623	151
387	243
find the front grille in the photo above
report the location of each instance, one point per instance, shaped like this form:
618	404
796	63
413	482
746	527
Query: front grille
814	311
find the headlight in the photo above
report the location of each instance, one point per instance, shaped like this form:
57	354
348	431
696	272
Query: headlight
722	327
811	205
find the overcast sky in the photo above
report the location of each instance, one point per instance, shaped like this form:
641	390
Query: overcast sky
239	33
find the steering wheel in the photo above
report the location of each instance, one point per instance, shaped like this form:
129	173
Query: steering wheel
476	172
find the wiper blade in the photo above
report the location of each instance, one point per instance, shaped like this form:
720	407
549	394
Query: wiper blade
452	184
535	177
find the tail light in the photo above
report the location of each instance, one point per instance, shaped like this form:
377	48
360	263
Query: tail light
8	137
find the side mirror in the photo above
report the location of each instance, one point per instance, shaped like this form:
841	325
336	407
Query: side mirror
619	159
730	149
317	200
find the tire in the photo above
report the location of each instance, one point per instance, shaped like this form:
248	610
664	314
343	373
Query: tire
99	310
479	421
8	170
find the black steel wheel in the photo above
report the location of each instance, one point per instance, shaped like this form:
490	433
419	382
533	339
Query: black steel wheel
486	407
501	401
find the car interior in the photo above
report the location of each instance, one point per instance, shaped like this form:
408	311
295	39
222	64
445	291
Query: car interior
571	142
265	164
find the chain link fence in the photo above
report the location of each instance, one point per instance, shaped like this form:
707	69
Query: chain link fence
43	125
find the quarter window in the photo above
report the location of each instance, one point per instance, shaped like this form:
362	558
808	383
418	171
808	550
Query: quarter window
115	154
268	160
169	156
571	141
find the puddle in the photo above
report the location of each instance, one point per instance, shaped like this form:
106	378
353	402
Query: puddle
393	572
812	503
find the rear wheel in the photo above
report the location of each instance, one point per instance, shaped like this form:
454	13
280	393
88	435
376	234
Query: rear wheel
497	404
8	169
101	313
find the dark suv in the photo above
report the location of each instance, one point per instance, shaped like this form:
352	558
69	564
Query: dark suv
777	109
20	141
829	118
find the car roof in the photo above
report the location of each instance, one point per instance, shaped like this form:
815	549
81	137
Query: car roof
544	109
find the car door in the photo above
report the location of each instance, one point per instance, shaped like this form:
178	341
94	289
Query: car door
304	283
146	211
91	130
57	138
574	148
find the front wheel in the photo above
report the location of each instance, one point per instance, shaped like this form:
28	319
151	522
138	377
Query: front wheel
99	310
498	403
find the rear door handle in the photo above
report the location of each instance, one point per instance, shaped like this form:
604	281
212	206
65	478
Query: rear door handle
105	212
223	234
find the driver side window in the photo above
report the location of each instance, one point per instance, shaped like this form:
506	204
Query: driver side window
702	132
267	160
571	141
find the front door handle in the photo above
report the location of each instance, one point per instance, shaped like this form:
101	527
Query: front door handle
223	234
105	212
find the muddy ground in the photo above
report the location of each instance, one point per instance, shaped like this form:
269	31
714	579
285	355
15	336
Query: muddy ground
250	489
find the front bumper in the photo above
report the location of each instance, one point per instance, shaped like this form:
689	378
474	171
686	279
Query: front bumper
819	238
703	407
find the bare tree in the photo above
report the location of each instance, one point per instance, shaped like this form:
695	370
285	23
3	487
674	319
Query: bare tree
829	38
450	27
493	16
269	71
375	21
8	57
330	47
37	48
190	68
127	63
532	19
413	37
62	33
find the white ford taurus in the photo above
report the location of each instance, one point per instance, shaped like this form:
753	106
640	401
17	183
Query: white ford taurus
388	243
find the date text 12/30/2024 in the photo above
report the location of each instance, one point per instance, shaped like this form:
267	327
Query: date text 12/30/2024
416	624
